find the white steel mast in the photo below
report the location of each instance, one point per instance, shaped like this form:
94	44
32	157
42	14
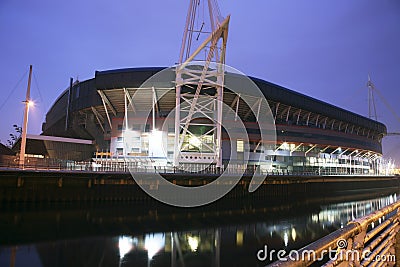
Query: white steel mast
199	87
371	100
27	103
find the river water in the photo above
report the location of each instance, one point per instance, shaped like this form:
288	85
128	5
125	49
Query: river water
225	233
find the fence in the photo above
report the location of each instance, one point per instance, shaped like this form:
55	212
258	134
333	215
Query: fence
147	165
368	241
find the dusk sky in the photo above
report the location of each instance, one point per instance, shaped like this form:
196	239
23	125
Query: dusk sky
324	49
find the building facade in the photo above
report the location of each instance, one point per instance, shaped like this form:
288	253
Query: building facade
311	136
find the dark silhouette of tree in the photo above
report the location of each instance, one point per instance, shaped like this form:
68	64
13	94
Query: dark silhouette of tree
14	136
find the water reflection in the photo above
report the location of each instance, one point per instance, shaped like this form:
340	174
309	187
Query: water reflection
229	236
344	212
125	245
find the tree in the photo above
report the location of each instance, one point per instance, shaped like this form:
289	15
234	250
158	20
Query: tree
14	137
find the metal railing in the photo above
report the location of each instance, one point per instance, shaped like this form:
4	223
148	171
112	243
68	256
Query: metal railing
367	241
115	165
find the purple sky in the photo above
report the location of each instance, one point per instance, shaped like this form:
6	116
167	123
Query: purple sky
324	49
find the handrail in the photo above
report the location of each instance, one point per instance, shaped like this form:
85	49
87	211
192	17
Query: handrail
355	231
121	166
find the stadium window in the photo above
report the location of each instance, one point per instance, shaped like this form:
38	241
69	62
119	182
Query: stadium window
120	139
135	150
119	127
120	151
239	145
136	142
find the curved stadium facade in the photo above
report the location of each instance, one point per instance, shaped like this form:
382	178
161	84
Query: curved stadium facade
312	136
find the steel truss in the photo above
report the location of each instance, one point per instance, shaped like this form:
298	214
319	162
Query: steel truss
199	88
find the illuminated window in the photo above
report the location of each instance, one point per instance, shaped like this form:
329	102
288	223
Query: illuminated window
239	146
145	144
136	142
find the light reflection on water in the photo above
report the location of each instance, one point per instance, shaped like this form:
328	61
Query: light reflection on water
205	239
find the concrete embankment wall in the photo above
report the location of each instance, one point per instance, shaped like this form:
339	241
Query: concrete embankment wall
63	186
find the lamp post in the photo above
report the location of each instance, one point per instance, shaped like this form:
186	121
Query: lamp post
27	103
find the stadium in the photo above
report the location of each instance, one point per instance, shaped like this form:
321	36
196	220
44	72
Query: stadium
311	136
128	118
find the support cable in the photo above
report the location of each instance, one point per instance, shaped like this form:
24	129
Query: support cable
13	90
387	105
